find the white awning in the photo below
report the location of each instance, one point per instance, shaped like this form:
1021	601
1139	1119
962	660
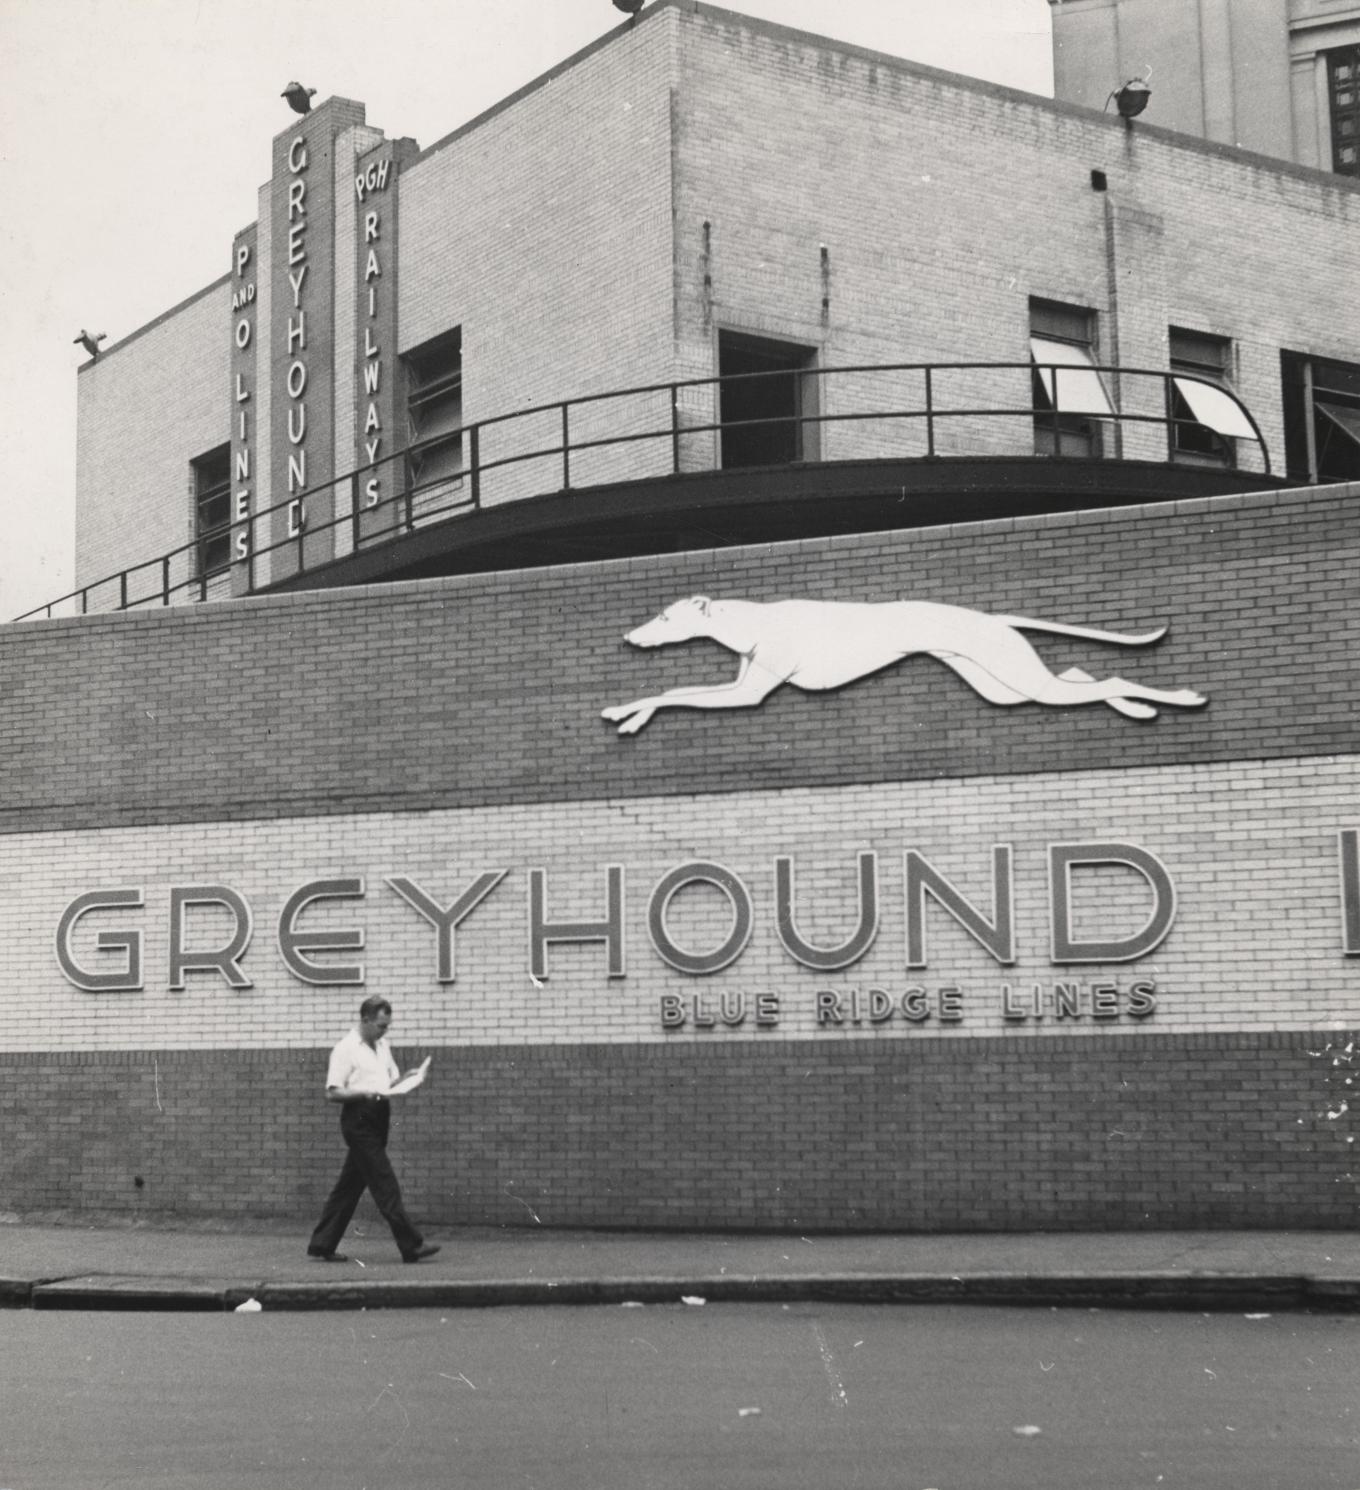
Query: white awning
1213	407
1345	419
1076	388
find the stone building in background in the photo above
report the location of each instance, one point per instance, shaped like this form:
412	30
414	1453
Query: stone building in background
1281	77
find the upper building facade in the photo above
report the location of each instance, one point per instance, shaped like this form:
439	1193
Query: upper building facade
745	228
1278	76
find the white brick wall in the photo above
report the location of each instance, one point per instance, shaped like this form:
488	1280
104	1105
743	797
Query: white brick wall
545	233
146	408
1251	847
945	203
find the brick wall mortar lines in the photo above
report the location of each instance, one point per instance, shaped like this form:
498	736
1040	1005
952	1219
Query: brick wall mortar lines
574	297
135	466
489	689
956	1136
1251	848
919	271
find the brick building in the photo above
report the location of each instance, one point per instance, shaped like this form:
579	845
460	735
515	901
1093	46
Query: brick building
1032	899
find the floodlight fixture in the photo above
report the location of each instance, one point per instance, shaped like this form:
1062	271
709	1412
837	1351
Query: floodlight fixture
1131	99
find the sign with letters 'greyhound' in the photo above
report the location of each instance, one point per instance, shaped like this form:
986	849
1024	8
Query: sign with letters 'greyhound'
822	644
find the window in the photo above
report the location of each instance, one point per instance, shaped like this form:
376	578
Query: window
764	407
1205	420
1343	93
211	481
1321	418
434	410
1066	386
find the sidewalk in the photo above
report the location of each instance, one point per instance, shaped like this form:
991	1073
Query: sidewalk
198	1265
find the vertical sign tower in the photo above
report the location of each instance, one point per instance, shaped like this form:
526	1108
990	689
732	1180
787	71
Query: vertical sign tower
377	407
302	335
244	404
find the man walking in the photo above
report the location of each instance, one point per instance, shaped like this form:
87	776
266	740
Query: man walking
361	1076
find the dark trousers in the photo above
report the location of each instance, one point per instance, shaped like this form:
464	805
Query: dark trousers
367	1167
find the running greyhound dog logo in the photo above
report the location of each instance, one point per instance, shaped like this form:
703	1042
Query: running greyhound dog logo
822	644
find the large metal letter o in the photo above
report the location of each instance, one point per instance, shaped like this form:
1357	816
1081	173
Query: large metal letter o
738	897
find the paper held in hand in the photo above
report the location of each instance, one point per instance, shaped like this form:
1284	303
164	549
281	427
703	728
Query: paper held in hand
411	1080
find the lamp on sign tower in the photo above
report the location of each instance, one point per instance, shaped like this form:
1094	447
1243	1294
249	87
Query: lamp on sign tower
299	98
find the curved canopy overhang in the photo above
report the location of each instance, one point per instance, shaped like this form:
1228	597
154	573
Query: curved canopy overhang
720	509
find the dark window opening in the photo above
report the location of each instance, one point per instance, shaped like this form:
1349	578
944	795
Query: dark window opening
1066	387
766	401
434	409
1321	418
211	476
1343	91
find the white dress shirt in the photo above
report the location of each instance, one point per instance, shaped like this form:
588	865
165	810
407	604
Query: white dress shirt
356	1066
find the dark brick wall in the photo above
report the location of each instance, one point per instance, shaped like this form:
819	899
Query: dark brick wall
1161	1131
488	689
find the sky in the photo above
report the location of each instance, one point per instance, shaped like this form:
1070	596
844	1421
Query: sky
135	134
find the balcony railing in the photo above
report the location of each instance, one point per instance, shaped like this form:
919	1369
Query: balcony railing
926	411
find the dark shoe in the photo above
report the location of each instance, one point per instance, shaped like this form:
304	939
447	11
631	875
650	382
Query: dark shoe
428	1249
326	1256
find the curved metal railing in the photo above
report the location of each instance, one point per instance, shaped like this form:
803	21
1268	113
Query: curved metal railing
960	410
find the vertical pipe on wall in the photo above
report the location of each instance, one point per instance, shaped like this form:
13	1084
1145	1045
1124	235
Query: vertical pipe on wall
675	430
1112	334
706	260
930	413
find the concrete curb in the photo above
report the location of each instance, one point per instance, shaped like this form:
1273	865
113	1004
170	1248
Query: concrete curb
122	1292
1133	1290
16	1293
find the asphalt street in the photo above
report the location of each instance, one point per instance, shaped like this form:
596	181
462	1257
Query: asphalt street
801	1396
